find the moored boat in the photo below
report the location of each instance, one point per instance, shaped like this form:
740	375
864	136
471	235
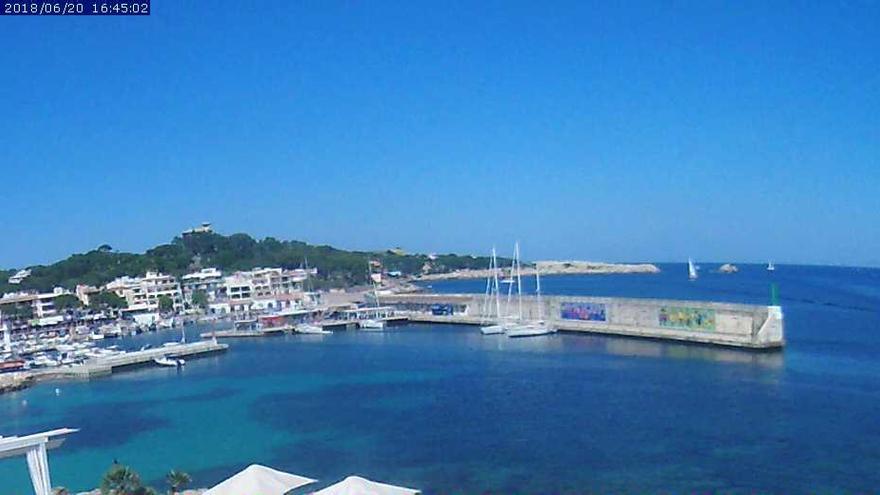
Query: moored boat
492	301
371	324
312	329
166	361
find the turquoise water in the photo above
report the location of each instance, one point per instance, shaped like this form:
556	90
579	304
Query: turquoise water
444	409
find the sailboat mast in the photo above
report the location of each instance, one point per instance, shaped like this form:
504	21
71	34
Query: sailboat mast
518	280
495	282
484	309
507	309
538	290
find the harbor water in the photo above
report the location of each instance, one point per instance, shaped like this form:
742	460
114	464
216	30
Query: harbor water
446	410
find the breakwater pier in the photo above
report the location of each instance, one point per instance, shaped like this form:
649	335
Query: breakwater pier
98	367
736	325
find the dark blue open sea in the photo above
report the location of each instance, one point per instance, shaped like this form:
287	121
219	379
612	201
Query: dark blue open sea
446	410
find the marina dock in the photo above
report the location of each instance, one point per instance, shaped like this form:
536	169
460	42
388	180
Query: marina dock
735	325
105	366
233	333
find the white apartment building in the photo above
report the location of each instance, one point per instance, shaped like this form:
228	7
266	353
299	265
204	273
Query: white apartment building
143	293
262	282
41	304
208	280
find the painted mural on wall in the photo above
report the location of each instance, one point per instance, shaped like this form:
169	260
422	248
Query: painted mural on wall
582	311
687	318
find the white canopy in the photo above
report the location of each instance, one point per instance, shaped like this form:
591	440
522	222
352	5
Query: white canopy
355	485
259	480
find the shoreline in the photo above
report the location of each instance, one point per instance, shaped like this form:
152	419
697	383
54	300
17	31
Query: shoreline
552	268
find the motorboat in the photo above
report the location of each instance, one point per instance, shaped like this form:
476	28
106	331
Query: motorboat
371	325
166	361
311	328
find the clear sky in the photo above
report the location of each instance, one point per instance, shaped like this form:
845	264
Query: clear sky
728	131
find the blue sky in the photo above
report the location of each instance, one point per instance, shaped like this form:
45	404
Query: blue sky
642	131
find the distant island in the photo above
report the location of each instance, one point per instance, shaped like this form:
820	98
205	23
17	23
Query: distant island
552	268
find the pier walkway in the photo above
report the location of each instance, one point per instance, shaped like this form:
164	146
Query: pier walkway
105	366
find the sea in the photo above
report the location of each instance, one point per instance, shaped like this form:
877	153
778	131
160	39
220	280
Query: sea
444	409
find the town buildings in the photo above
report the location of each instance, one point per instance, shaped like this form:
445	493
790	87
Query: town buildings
40	307
145	293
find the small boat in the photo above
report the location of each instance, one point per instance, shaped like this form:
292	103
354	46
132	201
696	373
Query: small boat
492	329
371	325
96	336
312	329
771	267
531	330
165	361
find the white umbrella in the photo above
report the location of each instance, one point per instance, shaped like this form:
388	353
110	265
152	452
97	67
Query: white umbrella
259	480
355	485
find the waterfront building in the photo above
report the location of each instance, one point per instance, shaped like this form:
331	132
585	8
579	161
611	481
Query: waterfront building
84	292
261	282
207	280
219	307
237	287
144	293
42	305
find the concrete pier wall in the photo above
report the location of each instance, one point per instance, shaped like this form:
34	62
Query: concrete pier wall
94	368
739	325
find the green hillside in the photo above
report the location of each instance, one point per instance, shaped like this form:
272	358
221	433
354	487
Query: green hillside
336	267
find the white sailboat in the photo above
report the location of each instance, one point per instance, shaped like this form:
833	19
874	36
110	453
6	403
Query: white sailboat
511	321
308	326
539	327
492	292
373	324
771	267
692	270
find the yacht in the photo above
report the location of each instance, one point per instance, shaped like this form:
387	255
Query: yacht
531	330
371	324
536	328
311	328
771	267
166	361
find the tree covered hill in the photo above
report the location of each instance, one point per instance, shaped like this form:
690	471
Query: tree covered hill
336	267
